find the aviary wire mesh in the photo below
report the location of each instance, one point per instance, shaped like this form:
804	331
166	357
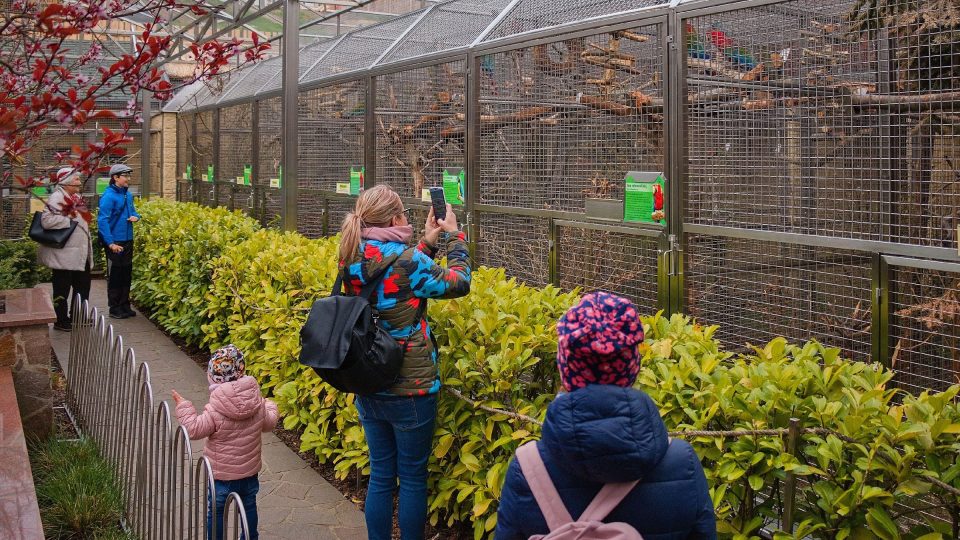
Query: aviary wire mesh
799	120
236	151
419	122
271	154
565	121
925	328
756	291
618	262
203	157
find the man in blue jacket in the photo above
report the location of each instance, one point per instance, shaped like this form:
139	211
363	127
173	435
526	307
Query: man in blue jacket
115	223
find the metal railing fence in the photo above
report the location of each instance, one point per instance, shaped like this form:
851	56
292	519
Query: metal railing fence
166	488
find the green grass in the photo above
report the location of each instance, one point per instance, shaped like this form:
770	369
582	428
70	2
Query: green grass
78	492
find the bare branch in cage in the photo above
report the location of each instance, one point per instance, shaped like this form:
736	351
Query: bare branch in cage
632	36
543	62
616	64
942	100
721	69
490	121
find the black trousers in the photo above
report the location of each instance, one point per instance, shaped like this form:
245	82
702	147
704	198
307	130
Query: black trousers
121	274
63	281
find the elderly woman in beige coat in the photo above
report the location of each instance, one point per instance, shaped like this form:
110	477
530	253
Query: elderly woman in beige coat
71	263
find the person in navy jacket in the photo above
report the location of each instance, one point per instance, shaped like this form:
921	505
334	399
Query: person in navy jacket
115	226
602	430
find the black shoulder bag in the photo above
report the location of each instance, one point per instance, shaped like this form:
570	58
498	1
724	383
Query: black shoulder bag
343	343
55	238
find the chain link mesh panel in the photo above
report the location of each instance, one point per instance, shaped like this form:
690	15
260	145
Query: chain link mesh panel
448	26
310	213
925	328
416	110
565	121
610	261
338	208
331	134
236	132
203	156
758	290
360	49
798	121
530	15
519	244
271	156
184	156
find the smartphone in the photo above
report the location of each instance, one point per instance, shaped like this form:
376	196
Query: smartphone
439	202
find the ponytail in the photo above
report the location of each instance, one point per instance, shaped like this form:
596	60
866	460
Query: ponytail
350	238
375	208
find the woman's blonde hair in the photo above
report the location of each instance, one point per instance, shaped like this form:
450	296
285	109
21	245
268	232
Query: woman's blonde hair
376	207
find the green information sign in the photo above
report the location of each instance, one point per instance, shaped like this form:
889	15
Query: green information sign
644	197
209	173
247	175
188	174
41	191
356	179
453	180
102	184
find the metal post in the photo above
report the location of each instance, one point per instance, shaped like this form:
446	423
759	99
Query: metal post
256	194
217	172
472	146
145	145
553	276
370	135
290	74
880	310
790	483
675	92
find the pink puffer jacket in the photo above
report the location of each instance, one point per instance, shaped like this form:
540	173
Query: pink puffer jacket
233	420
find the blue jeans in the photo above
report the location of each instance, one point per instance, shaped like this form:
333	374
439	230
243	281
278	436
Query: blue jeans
399	433
247	489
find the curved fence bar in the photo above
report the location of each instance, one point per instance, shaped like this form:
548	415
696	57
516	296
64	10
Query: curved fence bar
111	396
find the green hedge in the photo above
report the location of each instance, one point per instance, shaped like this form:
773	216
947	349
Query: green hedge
19	268
213	278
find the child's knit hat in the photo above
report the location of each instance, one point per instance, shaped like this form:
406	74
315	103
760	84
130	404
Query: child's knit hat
226	364
597	342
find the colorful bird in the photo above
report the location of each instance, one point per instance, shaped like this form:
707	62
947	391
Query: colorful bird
488	64
358	110
735	54
696	48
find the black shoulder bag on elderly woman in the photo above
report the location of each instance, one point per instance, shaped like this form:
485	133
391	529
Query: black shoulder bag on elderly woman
54	238
343	343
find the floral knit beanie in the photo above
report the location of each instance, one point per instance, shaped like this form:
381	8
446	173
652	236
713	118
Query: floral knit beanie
226	364
597	342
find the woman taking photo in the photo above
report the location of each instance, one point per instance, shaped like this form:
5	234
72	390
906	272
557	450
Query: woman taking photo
398	423
71	263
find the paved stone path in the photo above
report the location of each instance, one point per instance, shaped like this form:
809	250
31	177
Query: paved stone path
295	502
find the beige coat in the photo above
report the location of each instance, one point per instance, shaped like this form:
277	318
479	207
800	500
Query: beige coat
79	249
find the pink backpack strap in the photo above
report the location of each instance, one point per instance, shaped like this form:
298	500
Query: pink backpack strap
545	493
609	497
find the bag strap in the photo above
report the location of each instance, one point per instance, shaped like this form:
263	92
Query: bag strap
367	289
545	493
610	496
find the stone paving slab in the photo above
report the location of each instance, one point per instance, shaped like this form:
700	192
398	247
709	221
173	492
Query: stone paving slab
294	502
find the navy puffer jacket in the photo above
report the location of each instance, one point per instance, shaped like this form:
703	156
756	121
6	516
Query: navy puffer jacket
604	433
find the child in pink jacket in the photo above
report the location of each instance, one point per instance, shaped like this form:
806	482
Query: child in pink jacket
232	421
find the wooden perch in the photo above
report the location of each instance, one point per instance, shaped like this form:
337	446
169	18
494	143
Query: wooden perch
945	100
490	121
617	64
720	68
626	34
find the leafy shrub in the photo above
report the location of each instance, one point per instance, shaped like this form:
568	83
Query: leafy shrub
19	268
78	492
879	449
174	249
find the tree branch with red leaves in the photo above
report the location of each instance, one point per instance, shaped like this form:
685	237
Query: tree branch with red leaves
44	91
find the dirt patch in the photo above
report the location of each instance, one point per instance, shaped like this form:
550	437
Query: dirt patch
62	424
